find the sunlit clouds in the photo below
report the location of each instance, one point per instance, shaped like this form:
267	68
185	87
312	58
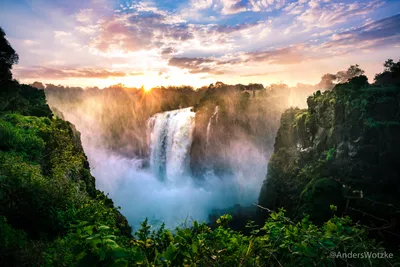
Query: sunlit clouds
198	42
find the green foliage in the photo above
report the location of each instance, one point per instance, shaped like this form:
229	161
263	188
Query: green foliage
23	139
330	153
11	242
45	180
390	75
280	242
8	57
349	144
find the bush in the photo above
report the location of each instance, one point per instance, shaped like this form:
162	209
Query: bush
280	242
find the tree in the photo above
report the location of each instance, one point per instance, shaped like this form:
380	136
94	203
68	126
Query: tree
351	72
359	82
389	65
8	57
327	81
354	71
390	75
38	85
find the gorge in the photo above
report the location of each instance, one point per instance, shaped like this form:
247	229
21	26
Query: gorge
172	165
162	185
220	175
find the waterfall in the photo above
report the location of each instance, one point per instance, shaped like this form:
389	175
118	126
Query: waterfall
209	124
170	139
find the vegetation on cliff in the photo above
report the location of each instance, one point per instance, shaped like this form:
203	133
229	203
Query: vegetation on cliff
342	150
45	180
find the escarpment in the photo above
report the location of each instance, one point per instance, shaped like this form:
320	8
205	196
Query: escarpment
343	150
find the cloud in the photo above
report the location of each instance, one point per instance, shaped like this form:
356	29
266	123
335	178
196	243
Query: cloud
201	4
222	65
196	65
230	7
136	73
233	6
134	32
61	34
53	73
324	33
30	42
286	55
151	29
85	15
255	74
372	35
323	14
153	36
167	51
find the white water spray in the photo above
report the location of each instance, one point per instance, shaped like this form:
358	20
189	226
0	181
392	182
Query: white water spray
170	141
209	124
141	193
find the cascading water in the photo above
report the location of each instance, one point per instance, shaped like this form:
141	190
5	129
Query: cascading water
166	192
215	115
170	138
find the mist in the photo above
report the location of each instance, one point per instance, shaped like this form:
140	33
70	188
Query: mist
140	192
176	153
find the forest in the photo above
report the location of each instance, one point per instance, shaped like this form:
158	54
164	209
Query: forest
332	184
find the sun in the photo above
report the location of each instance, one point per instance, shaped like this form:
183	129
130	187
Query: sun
146	88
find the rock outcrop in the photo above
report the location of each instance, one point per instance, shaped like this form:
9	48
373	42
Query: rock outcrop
343	150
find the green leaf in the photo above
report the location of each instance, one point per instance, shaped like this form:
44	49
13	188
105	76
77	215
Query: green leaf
328	244
194	247
330	226
102	254
309	251
119	263
120	253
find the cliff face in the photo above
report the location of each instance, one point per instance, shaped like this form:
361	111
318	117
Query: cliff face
232	121
343	150
45	180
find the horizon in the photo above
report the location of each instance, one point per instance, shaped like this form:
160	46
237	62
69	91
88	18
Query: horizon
198	42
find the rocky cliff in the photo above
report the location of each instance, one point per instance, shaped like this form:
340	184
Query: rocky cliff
233	122
342	150
45	180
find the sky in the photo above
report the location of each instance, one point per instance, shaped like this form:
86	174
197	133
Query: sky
197	42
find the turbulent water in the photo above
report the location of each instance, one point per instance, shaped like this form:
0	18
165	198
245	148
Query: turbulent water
166	192
170	138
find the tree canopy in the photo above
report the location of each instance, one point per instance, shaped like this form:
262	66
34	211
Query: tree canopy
8	57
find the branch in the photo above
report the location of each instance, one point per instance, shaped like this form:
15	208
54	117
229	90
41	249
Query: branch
271	211
369	215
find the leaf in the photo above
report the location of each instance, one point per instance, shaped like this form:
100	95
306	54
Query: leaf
194	247
95	242
119	263
81	255
120	253
102	254
328	244
330	226
307	250
88	229
170	253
